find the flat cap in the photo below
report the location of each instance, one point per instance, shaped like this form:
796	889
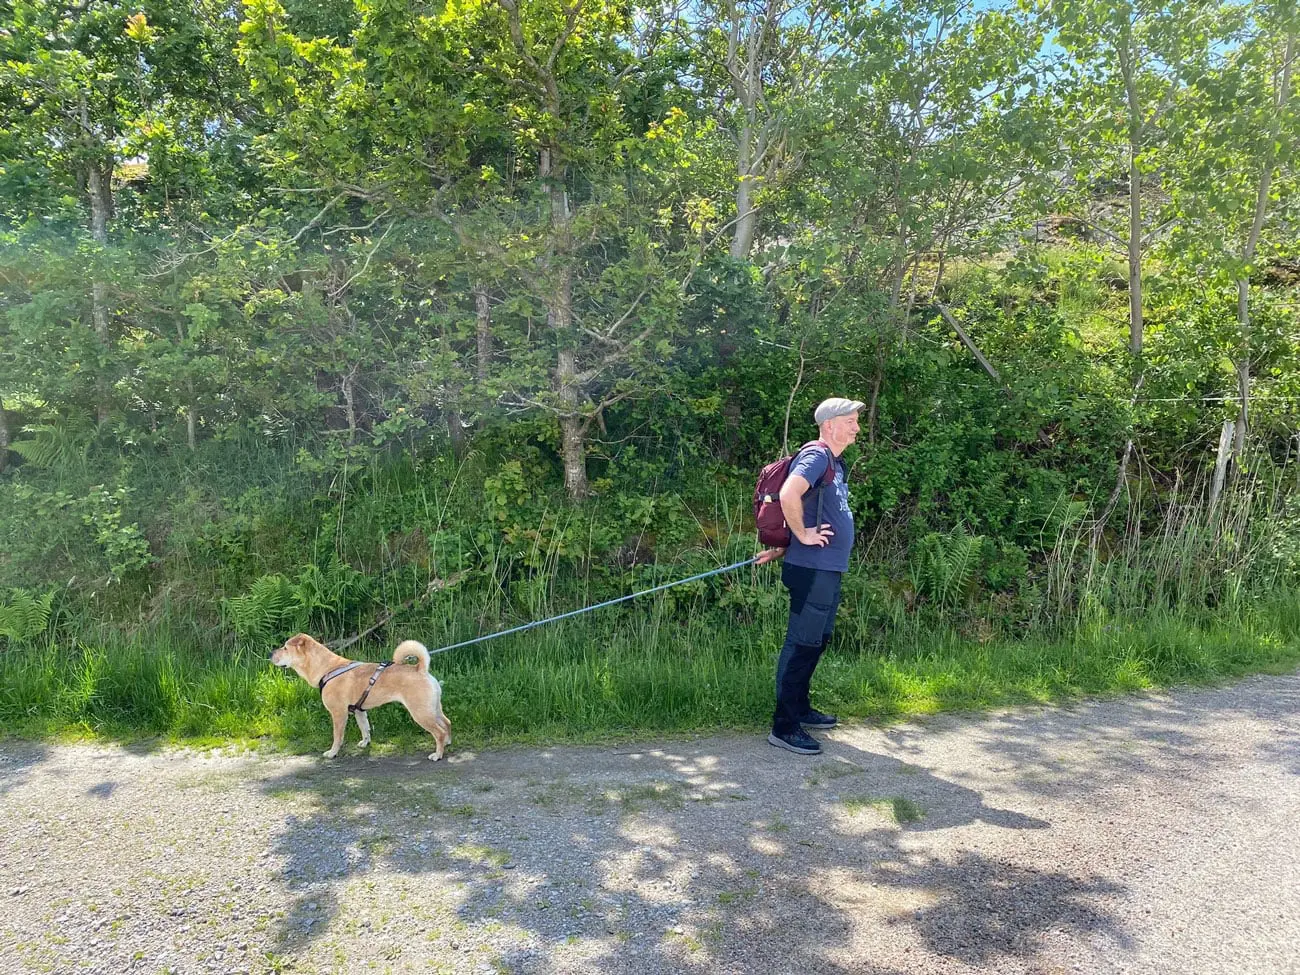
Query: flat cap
828	409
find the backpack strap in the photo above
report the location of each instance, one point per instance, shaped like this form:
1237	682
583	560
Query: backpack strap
826	478
829	475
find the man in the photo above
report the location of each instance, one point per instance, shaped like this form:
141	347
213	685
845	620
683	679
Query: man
815	563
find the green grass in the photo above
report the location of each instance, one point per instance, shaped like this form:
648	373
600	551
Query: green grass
898	808
637	674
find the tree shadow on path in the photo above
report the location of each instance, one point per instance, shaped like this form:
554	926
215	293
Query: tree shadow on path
727	854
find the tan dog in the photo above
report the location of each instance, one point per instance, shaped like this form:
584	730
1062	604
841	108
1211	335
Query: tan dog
349	686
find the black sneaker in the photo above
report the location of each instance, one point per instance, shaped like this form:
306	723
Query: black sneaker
818	719
797	741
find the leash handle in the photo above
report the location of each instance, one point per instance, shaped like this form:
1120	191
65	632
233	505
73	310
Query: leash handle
588	609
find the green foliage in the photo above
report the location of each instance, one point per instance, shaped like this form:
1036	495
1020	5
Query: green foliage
24	615
124	545
946	566
1278	544
320	598
313	309
53	445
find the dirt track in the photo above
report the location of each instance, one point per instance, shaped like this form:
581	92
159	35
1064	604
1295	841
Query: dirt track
1155	834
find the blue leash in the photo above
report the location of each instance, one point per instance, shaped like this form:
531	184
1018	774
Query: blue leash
588	609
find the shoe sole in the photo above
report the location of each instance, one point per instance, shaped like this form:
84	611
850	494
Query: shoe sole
823	726
781	743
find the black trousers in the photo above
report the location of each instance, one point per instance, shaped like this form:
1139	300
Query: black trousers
814	600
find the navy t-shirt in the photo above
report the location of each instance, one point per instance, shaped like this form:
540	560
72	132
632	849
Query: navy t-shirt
810	464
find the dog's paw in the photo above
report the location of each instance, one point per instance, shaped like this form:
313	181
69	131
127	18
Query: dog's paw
330	754
364	743
435	756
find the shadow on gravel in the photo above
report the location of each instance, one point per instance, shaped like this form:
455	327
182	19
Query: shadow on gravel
144	746
1127	738
660	860
17	760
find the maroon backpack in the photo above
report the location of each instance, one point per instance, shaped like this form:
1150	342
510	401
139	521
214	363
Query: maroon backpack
772	529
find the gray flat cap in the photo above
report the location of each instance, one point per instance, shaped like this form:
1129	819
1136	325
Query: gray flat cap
828	409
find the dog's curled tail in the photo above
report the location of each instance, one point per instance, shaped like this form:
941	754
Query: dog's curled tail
412	648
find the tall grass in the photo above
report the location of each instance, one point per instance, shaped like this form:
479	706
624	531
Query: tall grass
642	671
1194	594
1191	559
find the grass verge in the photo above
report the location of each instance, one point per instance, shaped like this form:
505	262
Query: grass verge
627	676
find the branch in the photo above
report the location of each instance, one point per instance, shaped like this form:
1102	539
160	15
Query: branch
346	284
627	314
319	217
570	21
617	355
1113	238
431	588
966	340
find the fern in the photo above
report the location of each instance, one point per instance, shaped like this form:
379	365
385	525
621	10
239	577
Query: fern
329	591
276	605
268	608
25	616
947	566
53	446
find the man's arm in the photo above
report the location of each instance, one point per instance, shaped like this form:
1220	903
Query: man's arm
792	492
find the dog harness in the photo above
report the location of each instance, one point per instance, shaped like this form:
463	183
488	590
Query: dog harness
338	671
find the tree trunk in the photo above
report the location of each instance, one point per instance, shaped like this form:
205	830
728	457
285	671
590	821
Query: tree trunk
483	333
483	360
744	53
560	317
572	428
572	425
1135	324
350	403
742	239
99	188
1135	124
191	416
4	439
1242	425
1221	464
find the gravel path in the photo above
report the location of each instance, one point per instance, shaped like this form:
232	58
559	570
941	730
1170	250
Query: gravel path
1154	834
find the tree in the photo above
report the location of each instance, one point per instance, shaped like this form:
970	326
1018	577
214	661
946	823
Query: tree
922	154
758	63
99	97
1115	91
1231	159
508	124
925	149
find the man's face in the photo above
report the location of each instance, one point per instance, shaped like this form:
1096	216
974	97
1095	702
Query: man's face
845	428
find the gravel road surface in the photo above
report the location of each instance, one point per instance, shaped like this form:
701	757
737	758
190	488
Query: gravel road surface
1154	834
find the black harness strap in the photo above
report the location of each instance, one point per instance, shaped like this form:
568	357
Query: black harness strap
338	672
359	706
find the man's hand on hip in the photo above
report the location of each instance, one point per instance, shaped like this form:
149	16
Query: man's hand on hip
816	537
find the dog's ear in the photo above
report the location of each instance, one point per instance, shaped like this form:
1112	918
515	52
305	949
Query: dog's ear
297	641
